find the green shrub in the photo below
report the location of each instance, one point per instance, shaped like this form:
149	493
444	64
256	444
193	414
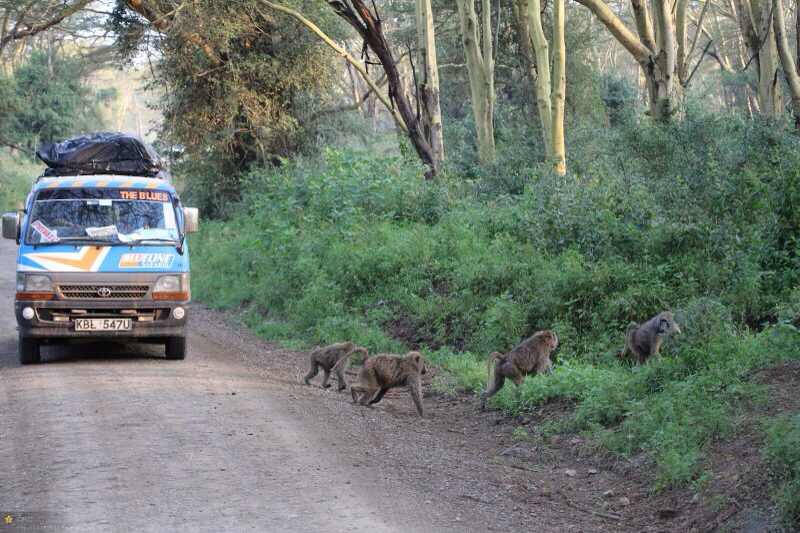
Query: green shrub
691	217
16	176
782	453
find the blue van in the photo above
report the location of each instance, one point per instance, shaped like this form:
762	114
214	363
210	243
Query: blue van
101	257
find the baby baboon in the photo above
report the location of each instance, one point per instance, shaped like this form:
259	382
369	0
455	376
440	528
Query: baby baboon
383	372
645	341
332	358
531	356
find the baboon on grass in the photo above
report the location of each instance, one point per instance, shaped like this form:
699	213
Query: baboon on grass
531	356
644	341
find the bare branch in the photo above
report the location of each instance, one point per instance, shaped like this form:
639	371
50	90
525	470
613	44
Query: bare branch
342	52
699	60
626	38
18	33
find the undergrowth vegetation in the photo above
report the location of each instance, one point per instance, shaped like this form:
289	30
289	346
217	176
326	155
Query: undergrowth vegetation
698	217
783	455
16	176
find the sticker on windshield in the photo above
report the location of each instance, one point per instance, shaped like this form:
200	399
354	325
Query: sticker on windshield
48	235
102	202
145	260
102	232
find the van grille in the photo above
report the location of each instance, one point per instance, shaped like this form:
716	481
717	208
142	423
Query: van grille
104	292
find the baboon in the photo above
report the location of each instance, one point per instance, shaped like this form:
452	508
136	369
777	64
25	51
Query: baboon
332	358
644	341
383	372
531	356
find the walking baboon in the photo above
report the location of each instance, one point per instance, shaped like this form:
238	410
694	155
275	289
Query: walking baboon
332	358
531	356
644	341
383	372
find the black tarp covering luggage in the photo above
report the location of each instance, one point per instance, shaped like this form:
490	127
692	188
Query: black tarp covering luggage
101	153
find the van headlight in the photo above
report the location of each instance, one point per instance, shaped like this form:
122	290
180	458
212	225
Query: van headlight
34	283
34	287
173	287
168	284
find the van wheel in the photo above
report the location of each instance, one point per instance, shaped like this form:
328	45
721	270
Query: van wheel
28	350
176	348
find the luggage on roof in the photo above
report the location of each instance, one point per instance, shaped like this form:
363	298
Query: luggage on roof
102	153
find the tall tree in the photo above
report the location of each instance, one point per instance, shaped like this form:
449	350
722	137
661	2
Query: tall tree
238	81
477	40
787	61
49	99
550	99
755	20
559	86
661	54
523	31
541	49
428	80
369	26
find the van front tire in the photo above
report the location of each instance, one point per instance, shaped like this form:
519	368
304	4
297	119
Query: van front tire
176	348
28	351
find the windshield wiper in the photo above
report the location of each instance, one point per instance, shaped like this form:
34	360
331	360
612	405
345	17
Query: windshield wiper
150	239
174	242
84	240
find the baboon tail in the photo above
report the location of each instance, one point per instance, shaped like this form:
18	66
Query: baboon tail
632	327
341	363
490	367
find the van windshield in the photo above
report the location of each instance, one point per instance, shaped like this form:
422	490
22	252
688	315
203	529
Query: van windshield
115	216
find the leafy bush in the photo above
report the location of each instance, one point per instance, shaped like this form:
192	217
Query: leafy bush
16	176
47	99
691	217
782	453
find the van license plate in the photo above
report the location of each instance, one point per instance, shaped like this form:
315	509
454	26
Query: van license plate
102	324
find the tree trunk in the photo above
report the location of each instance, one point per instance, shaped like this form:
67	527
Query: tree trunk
560	87
643	25
654	50
787	61
369	26
543	82
522	25
355	89
681	32
755	20
428	86
769	93
797	32
663	68
550	92
480	67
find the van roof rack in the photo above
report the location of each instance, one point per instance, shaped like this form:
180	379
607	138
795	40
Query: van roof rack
102	153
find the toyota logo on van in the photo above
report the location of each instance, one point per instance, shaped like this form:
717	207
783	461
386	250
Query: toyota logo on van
104	292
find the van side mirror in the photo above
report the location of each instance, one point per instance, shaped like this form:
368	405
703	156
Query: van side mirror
11	226
191	219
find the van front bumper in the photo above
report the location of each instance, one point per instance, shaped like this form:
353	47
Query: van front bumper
55	318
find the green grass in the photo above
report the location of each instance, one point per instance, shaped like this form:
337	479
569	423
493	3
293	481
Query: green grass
782	453
699	217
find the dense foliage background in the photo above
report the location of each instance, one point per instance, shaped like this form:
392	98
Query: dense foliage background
353	246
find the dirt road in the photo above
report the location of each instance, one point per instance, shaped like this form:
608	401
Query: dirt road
110	437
